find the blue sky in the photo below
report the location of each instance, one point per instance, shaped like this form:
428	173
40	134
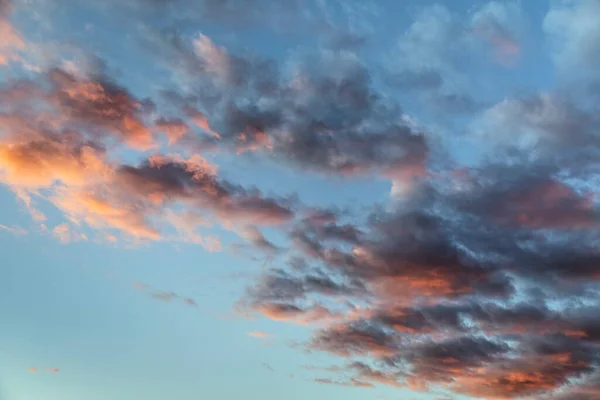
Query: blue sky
305	199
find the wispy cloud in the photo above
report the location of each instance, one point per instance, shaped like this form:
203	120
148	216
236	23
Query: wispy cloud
162	296
268	367
52	370
15	230
260	335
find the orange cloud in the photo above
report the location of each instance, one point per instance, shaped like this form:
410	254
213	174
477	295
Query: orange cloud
101	104
65	234
253	140
101	211
52	370
201	121
297	315
174	129
11	42
260	335
42	162
91	191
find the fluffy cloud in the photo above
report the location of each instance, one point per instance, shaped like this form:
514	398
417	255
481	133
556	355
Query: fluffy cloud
574	33
57	140
101	106
430	55
138	200
545	121
325	115
427	293
502	24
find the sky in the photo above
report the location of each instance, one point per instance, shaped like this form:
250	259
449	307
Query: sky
265	199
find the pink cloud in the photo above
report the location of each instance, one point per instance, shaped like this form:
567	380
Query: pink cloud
260	335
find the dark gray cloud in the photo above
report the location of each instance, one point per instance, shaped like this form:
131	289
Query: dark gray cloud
281	287
360	338
438	276
312	118
185	181
162	296
5	7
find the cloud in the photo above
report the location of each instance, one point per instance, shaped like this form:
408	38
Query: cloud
52	370
174	129
350	383
60	135
371	375
355	339
260	335
574	34
100	211
11	42
424	296
502	24
325	227
310	117
162	296
15	230
258	240
546	120
200	121
101	104
294	314
42	159
430	55
190	302
61	140
536	202
532	373
160	180
65	234
417	79
89	102
166	297
268	367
